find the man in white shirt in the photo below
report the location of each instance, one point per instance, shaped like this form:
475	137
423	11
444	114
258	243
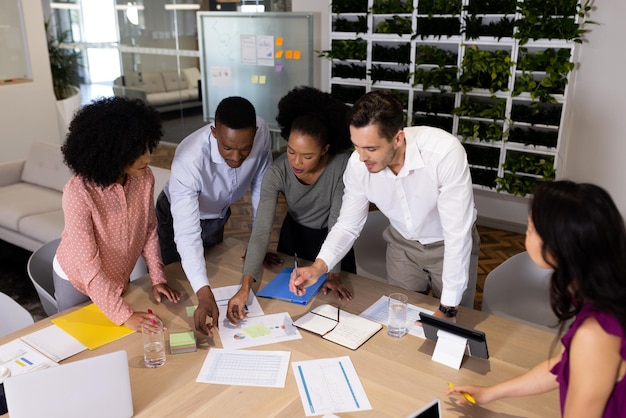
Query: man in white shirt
212	168
419	178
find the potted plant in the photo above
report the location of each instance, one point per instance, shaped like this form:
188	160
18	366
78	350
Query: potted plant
64	66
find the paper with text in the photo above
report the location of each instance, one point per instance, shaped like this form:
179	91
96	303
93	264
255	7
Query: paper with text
245	368
260	330
329	386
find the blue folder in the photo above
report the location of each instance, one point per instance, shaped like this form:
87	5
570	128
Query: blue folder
278	288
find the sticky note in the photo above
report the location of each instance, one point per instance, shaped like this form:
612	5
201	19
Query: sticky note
278	68
279	53
279	41
262	79
190	310
255	79
289	54
296	54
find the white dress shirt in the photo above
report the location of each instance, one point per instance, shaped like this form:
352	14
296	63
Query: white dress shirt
203	186
429	200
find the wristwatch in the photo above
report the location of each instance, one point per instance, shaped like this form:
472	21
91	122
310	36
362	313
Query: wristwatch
449	311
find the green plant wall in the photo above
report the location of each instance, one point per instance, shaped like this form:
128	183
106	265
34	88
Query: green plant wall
495	73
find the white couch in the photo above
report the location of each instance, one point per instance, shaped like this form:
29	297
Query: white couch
163	90
30	196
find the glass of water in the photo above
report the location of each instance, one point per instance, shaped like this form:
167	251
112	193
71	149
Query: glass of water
396	324
153	343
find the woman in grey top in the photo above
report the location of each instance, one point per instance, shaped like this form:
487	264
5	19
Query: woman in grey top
309	176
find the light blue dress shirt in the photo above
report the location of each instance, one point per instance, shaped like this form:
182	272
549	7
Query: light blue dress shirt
203	186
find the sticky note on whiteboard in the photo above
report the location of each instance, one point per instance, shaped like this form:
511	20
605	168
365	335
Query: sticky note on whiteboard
262	79
289	54
279	41
255	79
296	54
279	53
278	68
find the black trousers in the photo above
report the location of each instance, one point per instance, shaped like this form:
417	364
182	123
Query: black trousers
307	242
212	230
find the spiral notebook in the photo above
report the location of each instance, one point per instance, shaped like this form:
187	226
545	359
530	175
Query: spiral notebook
278	288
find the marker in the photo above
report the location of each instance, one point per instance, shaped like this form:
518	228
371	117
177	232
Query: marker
466	395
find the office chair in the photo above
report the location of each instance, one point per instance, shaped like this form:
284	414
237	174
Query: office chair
370	249
40	272
13	315
518	289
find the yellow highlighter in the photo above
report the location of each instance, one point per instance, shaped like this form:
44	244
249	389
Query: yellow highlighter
466	395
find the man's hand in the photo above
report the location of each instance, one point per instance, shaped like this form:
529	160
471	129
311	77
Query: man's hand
272	259
333	283
206	307
306	276
237	304
162	288
441	315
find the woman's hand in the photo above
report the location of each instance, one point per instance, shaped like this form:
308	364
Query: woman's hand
162	288
137	319
333	283
272	259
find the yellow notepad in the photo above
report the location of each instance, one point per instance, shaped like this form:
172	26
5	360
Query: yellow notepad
91	327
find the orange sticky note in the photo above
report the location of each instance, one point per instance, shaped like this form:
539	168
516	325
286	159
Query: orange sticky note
289	54
279	53
296	54
279	41
255	79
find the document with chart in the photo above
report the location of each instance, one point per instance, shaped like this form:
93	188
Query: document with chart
329	386
259	330
245	368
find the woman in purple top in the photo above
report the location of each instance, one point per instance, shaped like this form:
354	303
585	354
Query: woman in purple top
577	230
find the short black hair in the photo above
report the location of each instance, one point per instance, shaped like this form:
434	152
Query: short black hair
381	108
312	112
236	113
108	135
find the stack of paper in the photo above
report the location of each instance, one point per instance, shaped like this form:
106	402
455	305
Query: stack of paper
182	342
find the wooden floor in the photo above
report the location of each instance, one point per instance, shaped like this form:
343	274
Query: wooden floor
496	245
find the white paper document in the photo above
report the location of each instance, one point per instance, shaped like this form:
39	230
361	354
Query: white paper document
54	343
222	296
329	386
259	330
21	358
379	310
245	368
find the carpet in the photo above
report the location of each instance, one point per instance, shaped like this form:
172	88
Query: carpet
14	280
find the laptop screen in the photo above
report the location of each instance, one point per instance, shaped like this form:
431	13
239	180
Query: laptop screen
430	410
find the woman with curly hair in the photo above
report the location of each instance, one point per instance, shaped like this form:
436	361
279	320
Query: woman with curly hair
309	176
109	210
577	230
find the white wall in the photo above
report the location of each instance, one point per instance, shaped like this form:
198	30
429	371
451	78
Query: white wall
29	110
322	7
596	150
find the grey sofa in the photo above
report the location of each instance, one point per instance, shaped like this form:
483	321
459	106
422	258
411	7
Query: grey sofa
164	90
30	196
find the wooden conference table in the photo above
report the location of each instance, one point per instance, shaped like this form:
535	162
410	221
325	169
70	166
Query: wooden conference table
398	375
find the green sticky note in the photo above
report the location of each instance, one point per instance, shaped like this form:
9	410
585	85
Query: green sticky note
190	310
182	339
257	330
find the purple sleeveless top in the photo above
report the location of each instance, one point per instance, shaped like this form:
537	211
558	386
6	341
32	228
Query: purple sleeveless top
616	404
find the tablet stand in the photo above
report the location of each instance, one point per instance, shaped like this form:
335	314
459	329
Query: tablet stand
449	349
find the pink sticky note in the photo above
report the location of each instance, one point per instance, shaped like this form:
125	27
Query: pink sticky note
278	68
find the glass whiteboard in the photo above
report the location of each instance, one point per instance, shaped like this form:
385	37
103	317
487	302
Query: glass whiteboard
258	56
14	64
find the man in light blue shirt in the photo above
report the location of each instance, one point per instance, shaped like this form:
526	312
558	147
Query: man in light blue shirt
212	168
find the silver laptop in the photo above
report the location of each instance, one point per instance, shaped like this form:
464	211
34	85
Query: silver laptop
431	410
94	387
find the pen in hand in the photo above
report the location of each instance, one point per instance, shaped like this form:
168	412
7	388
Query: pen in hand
466	395
295	269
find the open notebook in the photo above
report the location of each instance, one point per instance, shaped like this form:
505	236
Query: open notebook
338	326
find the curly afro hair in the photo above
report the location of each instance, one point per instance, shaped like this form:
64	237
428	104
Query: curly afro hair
313	112
108	135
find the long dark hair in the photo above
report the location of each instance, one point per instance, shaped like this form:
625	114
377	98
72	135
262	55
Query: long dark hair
584	241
